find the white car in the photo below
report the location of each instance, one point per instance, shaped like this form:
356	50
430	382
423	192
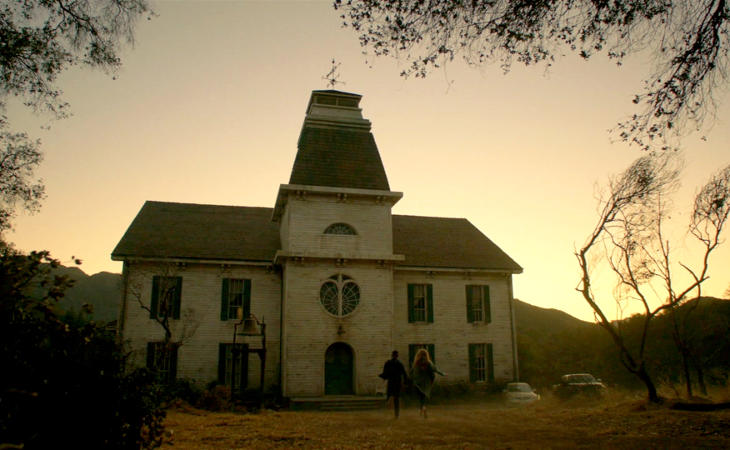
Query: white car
520	394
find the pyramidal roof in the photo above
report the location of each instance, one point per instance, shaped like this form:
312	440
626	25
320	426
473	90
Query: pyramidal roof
336	147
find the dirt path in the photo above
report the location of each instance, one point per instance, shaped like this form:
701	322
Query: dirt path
544	426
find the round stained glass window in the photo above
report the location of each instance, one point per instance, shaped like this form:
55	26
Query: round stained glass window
339	295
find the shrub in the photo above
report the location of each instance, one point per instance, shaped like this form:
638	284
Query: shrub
65	378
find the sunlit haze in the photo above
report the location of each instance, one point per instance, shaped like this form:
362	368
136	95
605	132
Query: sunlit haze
209	105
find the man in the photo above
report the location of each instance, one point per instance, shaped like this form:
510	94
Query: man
396	375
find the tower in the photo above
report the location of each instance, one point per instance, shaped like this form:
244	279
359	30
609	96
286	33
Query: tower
336	253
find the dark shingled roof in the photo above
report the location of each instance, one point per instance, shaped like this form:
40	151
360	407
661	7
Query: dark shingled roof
235	233
183	230
338	157
446	242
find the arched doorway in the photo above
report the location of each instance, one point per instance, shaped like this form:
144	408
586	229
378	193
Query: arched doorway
338	362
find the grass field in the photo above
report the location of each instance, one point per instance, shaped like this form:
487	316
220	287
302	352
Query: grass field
624	423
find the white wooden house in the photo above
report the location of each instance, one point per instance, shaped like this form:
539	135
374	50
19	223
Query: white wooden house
338	279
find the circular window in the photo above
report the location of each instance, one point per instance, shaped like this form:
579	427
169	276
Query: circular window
339	295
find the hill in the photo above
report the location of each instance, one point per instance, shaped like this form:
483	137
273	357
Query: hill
551	343
103	291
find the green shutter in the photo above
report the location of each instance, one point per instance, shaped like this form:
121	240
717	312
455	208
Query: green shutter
155	294
224	299
429	306
246	298
487	305
150	355
412	349
173	361
432	352
490	364
177	299
222	363
410	304
472	364
469	312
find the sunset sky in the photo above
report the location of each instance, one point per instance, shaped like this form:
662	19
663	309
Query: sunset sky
209	105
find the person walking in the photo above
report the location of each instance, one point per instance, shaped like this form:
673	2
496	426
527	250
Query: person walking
395	374
423	374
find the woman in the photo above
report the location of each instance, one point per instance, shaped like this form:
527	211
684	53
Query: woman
423	373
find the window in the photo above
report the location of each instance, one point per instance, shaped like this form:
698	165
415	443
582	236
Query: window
236	293
166	293
481	363
162	358
420	303
413	348
478	308
227	354
339	295
340	228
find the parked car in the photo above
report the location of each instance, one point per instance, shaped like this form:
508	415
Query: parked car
520	394
579	384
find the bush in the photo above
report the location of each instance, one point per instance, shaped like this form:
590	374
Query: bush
216	398
183	389
65	379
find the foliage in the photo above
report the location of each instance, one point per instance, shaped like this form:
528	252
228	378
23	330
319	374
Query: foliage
64	377
18	159
43	38
39	39
216	398
688	39
629	235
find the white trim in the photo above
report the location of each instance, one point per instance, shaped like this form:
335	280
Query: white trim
453	269
192	261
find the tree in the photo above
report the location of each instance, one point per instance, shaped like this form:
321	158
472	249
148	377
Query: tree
629	236
66	382
39	39
42	38
688	39
18	159
164	307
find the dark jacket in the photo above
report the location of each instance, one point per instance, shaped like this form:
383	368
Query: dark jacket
395	374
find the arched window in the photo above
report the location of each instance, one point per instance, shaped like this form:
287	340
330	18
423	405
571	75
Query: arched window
340	228
339	295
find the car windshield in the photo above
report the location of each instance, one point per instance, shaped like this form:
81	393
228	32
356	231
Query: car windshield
579	378
518	387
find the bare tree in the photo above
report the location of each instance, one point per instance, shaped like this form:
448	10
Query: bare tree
164	306
630	237
688	39
711	208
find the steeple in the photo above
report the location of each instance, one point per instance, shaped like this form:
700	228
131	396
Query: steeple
336	147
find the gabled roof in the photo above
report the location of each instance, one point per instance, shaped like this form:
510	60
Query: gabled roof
236	233
338	157
202	232
446	242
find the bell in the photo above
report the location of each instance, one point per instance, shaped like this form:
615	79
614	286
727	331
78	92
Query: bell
250	327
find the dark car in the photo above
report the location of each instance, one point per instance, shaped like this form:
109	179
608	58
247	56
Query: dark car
579	384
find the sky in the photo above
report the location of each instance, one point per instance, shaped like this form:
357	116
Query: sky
210	100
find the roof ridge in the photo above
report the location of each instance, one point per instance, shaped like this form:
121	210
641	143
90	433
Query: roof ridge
159	202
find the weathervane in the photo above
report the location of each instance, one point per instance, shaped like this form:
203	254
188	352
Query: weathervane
332	75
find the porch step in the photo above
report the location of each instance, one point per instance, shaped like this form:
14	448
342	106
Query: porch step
337	403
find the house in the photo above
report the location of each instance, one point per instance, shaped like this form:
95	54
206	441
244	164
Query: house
337	279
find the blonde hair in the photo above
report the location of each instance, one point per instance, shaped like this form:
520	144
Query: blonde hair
422	357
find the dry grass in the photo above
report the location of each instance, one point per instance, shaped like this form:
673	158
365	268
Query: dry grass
612	423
